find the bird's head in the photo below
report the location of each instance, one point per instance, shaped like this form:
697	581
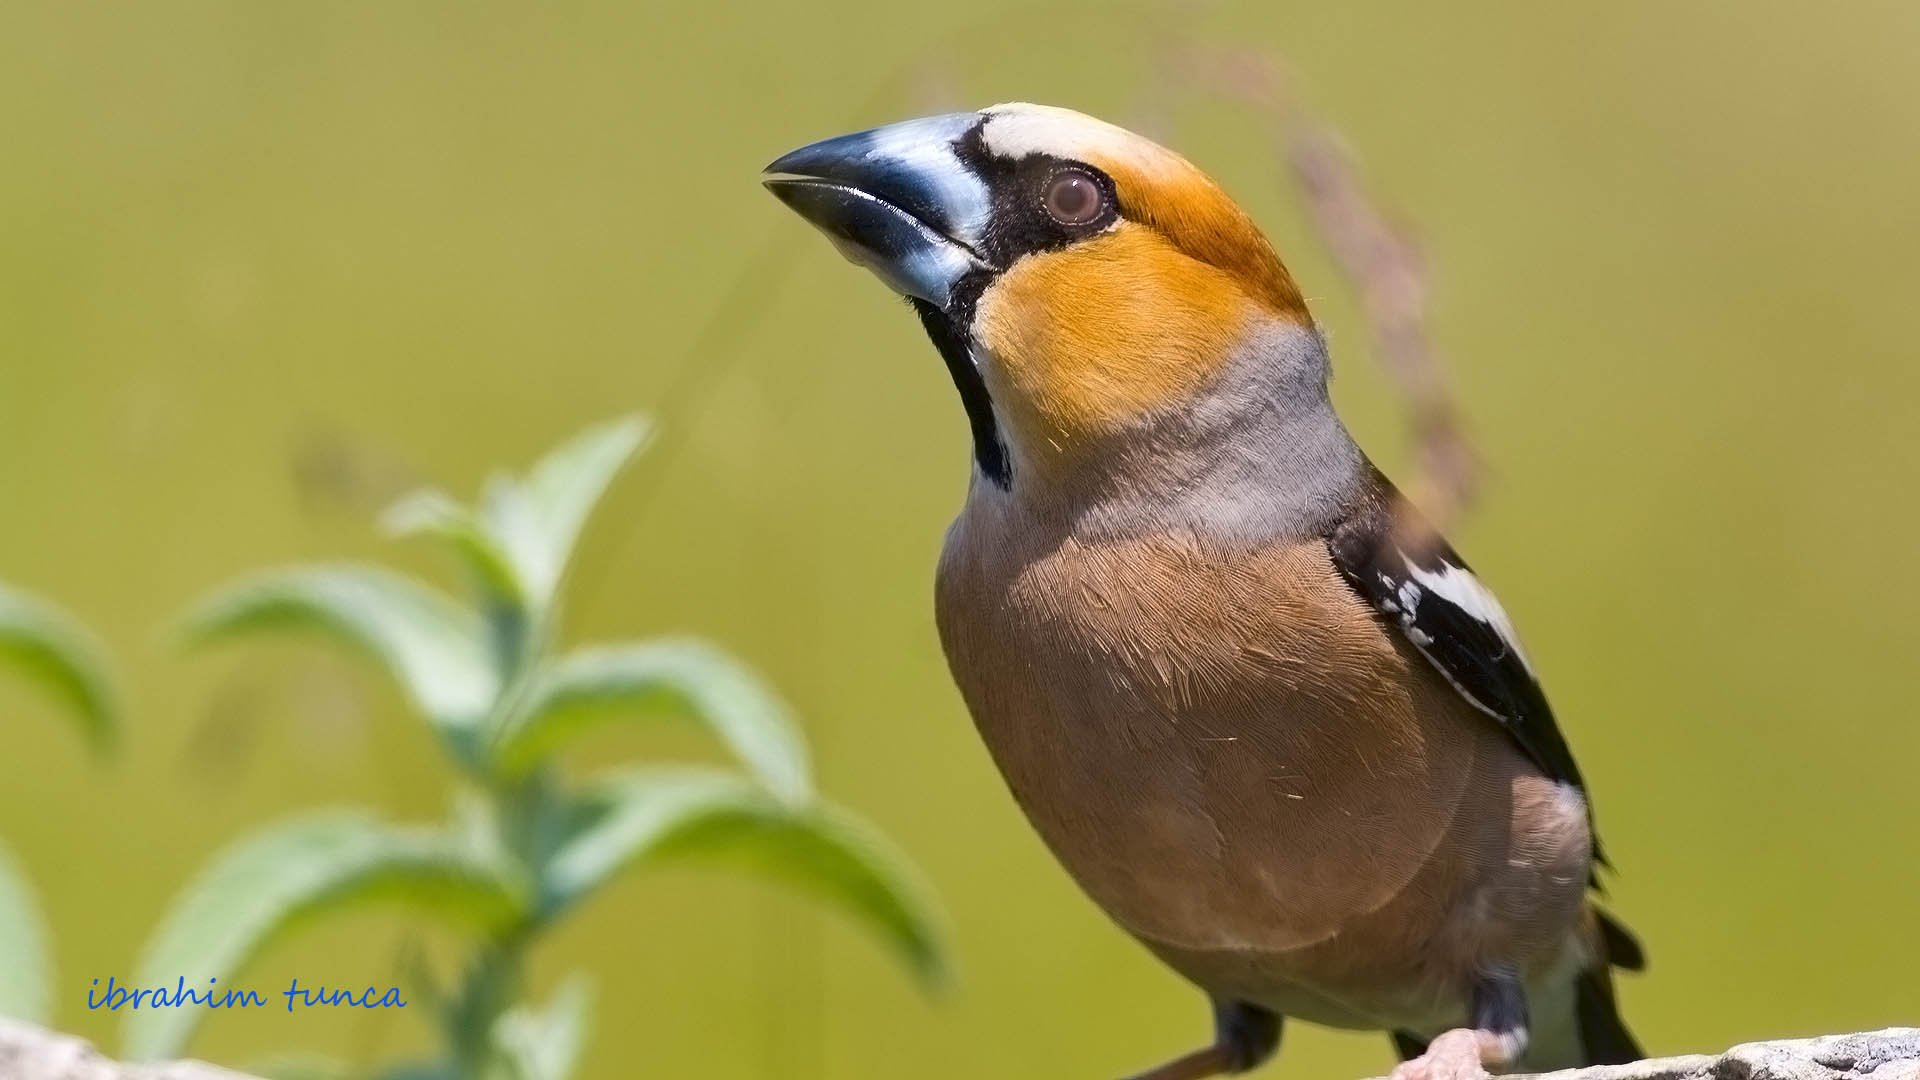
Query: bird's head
1082	282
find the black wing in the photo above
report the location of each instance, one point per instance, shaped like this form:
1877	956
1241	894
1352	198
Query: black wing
1429	593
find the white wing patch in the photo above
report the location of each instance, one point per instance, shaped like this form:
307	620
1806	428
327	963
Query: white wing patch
1459	587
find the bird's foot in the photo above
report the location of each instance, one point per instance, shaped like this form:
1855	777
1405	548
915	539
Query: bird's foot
1199	1065
1244	1036
1460	1054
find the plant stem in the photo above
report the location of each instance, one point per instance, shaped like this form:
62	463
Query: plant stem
526	812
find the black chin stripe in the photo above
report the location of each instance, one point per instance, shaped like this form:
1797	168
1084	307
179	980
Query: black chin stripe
988	450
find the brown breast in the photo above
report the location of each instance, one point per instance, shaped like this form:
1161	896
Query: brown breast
1246	769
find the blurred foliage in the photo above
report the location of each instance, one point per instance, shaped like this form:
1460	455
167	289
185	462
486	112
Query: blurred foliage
46	647
26	978
265	265
522	846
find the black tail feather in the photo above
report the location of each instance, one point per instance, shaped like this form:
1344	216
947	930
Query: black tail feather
1604	1037
1623	949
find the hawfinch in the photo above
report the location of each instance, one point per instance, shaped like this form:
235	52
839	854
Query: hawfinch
1288	744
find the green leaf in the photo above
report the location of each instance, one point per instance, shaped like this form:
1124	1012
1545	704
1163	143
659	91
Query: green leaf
537	522
62	658
25	971
682	678
661	815
272	881
433	513
435	648
546	1045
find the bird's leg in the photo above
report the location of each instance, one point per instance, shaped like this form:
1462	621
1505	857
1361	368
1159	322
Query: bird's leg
1497	1038
1243	1036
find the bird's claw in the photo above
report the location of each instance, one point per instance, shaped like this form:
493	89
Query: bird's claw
1452	1055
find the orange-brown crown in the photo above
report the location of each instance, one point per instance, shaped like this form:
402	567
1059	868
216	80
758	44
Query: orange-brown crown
1082	339
1157	188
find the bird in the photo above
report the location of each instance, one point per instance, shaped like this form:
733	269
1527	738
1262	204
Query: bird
1277	729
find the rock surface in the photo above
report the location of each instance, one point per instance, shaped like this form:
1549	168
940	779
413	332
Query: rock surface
29	1053
1892	1054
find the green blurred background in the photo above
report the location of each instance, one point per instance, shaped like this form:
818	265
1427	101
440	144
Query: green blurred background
264	265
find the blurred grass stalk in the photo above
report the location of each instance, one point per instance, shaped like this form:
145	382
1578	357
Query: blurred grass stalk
1375	252
522	847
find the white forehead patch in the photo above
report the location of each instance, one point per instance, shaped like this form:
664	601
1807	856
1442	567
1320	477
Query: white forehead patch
1017	129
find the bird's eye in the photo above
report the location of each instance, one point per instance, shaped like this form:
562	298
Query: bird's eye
1073	198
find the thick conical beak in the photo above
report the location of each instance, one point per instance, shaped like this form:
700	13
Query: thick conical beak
897	200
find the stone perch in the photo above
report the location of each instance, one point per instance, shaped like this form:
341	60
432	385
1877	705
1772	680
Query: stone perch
28	1053
1892	1054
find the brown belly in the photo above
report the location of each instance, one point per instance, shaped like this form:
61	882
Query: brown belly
1256	778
